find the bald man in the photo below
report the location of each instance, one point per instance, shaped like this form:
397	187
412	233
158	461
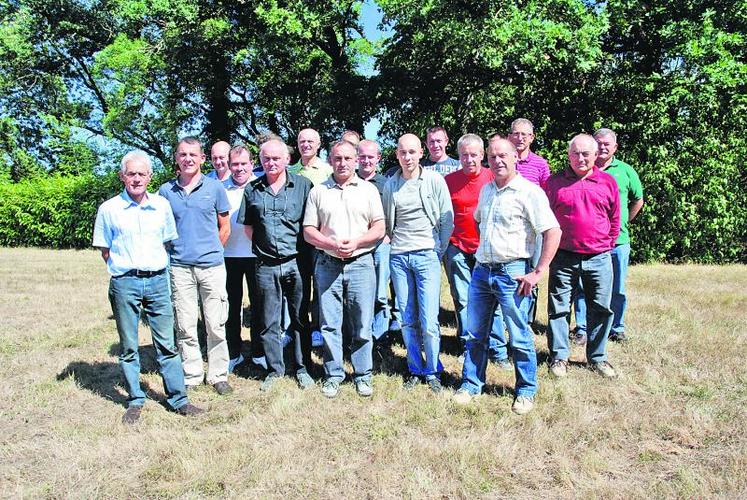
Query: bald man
586	202
419	222
219	159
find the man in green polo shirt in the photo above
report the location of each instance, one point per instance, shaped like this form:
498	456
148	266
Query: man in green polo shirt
631	202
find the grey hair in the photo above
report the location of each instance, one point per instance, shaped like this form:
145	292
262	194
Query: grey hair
468	139
522	121
605	132
134	156
591	139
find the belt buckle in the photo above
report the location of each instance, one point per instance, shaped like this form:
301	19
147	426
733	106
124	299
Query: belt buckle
142	274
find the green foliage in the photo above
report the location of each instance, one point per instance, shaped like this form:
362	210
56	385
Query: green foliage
56	211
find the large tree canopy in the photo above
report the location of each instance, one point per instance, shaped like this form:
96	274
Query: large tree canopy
82	79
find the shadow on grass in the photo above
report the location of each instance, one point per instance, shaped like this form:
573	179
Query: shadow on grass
102	378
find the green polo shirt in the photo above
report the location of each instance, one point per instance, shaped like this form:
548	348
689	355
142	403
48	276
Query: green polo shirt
629	185
318	172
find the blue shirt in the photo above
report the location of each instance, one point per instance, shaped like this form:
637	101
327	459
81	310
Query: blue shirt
196	217
134	234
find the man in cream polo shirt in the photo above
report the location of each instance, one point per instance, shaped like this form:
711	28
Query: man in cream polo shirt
344	219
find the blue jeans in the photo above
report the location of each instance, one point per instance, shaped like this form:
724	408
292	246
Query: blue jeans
382	313
493	286
346	300
417	285
128	295
459	266
594	272
277	281
620	259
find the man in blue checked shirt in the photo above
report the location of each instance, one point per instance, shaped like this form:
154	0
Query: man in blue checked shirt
131	230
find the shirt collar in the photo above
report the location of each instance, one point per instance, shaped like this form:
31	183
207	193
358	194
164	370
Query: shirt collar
128	202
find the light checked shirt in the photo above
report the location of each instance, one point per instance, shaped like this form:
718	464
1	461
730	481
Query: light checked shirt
134	234
510	218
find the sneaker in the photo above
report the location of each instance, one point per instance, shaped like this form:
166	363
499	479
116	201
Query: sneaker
503	364
559	368
463	397
395	326
522	405
435	385
330	388
304	380
132	415
363	388
604	369
578	338
188	410
222	388
618	337
268	382
233	363
411	382
261	362
316	339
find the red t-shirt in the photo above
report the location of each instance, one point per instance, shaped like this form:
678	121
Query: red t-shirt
464	192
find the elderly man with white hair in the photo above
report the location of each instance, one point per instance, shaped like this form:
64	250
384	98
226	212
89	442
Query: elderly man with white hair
131	230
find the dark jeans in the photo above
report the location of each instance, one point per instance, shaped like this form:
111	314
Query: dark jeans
275	281
239	269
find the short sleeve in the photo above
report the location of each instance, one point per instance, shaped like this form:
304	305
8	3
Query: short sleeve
222	205
311	215
169	226
635	190
102	234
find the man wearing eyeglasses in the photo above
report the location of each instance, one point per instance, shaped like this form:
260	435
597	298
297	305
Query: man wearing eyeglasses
272	211
535	169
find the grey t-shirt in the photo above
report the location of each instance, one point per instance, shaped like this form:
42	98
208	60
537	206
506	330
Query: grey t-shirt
412	229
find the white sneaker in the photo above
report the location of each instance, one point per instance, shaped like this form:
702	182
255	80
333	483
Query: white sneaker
522	405
233	363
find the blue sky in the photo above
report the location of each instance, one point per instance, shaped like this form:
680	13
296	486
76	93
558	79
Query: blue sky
371	17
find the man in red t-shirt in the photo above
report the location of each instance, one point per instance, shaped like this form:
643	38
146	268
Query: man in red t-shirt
459	259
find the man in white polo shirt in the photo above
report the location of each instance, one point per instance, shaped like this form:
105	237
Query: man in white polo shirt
344	219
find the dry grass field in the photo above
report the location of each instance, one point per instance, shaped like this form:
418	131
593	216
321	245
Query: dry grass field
673	424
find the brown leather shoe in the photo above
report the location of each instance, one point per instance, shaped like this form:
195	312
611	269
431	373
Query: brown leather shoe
222	388
132	415
189	410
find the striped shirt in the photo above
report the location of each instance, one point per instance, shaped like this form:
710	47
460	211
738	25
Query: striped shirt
510	218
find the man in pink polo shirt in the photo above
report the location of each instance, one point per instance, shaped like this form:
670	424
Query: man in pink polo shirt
535	169
586	203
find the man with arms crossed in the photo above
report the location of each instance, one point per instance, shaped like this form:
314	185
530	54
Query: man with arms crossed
631	202
131	230
586	202
510	212
272	211
200	207
419	221
344	219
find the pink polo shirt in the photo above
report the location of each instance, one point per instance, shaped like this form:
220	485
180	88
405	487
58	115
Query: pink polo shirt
534	168
588	210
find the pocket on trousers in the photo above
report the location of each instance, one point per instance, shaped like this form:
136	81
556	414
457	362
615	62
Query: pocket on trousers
223	309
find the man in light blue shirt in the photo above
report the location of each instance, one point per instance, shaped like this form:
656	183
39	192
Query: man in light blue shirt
131	230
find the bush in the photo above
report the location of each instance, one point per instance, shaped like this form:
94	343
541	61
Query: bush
55	211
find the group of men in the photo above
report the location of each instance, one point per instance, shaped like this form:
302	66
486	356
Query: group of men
311	240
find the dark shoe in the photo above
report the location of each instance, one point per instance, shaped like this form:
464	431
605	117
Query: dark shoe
188	410
411	382
618	337
222	388
132	415
578	338
435	385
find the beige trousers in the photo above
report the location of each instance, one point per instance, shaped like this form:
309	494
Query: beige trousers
210	283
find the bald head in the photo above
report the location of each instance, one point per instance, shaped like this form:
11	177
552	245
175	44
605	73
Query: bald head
219	159
582	154
308	144
409	153
368	158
